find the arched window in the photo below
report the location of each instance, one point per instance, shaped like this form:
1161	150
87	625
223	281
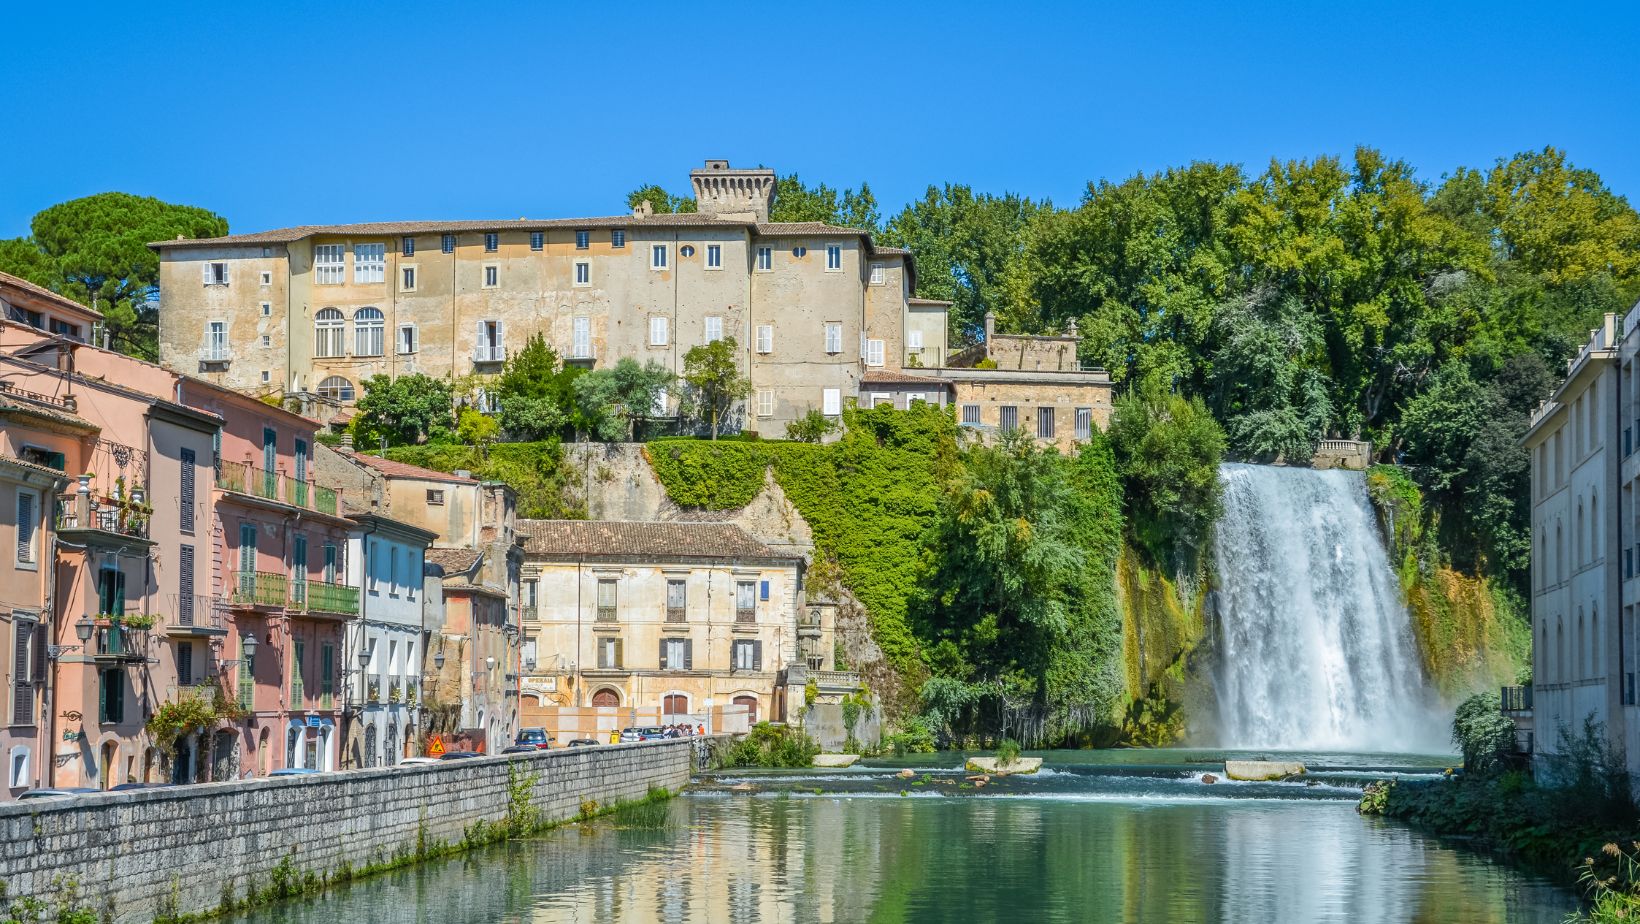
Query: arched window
1594	526
606	697
1589	670
675	704
750	702
327	333
336	388
1580	549
367	332
1578	645
1560	553
370	746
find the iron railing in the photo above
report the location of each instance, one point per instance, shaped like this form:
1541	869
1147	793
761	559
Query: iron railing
676	614
260	588
322	597
199	611
121	642
244	478
606	614
1516	699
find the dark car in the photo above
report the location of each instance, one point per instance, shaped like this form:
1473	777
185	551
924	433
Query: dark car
582	742
54	793
127	787
460	755
293	771
535	737
520	749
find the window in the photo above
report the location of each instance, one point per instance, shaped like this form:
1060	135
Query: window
327	333
831	401
609	654
375	567
538	240
216	273
1044	423
266	278
606	600
407	246
492	242
763	591
1084	423
267	309
800	251
492	275
29	641
368	326
658	332
677	600
267	341
448	243
369	262
19	766
336	388
765	402
834	337
393	571
435	497
530	598
765	338
658	409
714	256
187	459
111	701
407	338
913	339
583	273
657	256
874	352
765	259
27	526
714	328
675	654
328	266
267	376
687	250
491	344
834	256
583	240
617	238
748	655
216	343
1010	417
581	343
330	564
407	279
878	276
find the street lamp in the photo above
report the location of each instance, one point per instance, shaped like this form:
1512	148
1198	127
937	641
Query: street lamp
84	628
364	655
247	647
438	659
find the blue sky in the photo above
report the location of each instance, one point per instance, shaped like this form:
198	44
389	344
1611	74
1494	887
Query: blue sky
292	113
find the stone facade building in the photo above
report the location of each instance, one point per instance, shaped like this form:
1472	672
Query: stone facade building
816	311
675	620
1585	470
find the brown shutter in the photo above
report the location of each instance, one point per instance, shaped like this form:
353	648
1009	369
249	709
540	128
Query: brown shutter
620	654
757	656
186	510
185	584
688	654
22	695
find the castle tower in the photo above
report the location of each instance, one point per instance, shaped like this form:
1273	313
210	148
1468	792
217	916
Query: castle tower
724	192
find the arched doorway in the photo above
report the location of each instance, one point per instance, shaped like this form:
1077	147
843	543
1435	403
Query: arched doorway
150	765
390	745
675	704
225	755
182	760
294	750
606	697
750	702
106	763
370	745
263	753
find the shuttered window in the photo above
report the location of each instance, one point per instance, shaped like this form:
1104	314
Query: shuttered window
296	647
26	527
22	691
185	585
186	498
111	702
247	684
185	664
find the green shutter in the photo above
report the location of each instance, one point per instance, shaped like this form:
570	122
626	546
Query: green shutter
296	674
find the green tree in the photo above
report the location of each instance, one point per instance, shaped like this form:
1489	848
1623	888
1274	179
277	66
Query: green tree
660	201
1272	399
536	392
610	400
796	201
476	428
95	251
1168	449
811	427
408	410
712	373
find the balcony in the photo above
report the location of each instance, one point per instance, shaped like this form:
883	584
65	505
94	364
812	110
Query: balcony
332	598
260	589
676	614
808	624
244	478
745	620
1516	700
606	614
116	643
101	520
844	682
207	691
485	353
194	615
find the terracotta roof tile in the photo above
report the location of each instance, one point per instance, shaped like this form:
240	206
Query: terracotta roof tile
453	561
45	293
394	469
900	378
635	540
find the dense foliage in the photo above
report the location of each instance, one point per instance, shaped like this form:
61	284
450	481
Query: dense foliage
1483	734
1168	449
536	393
770	745
406	411
712	373
612	400
537	471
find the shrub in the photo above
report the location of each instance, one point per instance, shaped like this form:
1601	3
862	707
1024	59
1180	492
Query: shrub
770	745
1483	734
915	736
811	427
1007	753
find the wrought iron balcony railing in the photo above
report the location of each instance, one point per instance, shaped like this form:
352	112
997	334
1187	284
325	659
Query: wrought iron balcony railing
260	588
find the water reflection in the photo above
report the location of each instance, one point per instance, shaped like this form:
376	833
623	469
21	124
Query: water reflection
887	858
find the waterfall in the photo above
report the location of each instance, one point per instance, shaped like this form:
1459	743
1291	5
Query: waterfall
1315	645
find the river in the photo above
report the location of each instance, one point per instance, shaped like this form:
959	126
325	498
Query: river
1096	836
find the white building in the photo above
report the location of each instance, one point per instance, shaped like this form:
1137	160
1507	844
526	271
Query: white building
385	559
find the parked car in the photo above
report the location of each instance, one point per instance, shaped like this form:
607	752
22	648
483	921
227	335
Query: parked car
293	771
520	749
127	787
460	755
415	761
582	743
535	737
642	733
54	793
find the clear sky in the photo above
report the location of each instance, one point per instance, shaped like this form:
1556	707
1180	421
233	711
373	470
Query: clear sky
294	112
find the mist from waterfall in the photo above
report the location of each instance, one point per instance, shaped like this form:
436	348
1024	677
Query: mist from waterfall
1315	644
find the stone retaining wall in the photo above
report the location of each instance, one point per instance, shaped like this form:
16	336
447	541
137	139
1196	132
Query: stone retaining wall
149	853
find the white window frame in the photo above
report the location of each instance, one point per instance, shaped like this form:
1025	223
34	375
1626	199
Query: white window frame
660	330
831	402
765	259
583	273
369	264
266	278
879	274
267	309
583	239
1083	420
765	338
267	341
407	340
913	340
216	341
490	276
834	337
874	352
714	256
581	338
407	277
617	238
266	376
492	242
329	265
27	553
538	240
369	332
714	329
765	402
834	258
329	333
658	256
216	273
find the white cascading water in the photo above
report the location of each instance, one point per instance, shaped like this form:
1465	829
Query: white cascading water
1316	647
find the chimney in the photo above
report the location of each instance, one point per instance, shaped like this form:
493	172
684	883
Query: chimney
734	195
990	329
643	209
346	448
1070	327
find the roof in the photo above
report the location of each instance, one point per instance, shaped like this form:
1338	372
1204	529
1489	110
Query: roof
929	301
453	561
394	469
900	378
45	293
636	540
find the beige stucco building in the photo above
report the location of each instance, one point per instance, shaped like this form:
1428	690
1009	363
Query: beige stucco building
687	617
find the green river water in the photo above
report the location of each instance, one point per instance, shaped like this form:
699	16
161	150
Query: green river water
1097	836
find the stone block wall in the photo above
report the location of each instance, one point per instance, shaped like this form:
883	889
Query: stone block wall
144	853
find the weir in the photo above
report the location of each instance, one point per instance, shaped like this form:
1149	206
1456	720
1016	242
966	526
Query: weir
1315	644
